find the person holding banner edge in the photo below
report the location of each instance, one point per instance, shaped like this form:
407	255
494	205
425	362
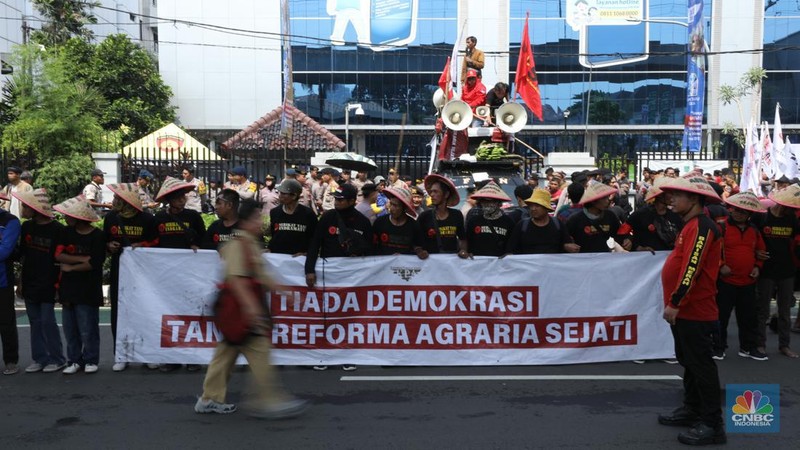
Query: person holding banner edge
689	280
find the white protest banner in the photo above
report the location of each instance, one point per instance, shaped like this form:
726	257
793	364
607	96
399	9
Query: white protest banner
400	310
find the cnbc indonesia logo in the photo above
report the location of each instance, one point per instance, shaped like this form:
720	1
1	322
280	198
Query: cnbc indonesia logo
753	410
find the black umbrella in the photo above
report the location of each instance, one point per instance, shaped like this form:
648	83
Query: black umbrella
352	161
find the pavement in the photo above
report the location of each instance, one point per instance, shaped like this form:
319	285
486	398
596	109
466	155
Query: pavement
597	406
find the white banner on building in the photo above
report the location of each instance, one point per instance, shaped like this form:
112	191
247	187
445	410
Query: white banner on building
399	310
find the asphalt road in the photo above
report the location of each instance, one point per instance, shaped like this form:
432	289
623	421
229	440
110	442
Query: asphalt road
140	408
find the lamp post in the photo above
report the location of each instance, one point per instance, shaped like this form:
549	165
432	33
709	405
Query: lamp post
566	116
359	112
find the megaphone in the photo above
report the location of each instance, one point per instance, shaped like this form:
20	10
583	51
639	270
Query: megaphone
511	117
439	99
482	111
457	115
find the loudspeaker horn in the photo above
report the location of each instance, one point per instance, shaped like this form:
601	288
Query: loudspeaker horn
482	111
439	99
457	115
511	117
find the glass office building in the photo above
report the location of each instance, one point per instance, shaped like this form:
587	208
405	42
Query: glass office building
635	106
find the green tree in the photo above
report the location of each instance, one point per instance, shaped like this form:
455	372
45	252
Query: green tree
127	77
749	87
53	116
65	176
64	19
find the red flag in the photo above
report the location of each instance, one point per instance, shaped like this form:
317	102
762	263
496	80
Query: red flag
444	79
527	84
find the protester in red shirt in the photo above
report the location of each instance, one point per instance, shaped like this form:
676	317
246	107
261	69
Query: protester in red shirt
474	92
740	268
689	280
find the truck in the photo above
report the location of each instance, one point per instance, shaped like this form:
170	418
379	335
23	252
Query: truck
486	159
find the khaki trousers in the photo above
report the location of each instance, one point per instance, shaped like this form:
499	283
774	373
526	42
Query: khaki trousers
267	389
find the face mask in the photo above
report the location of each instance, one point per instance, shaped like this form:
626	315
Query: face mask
128	211
491	210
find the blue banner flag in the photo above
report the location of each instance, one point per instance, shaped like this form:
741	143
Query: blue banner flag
695	81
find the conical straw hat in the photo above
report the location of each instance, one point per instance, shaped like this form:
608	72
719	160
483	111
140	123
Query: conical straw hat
77	208
435	177
171	185
788	197
656	189
404	195
693	185
36	199
540	197
128	192
491	192
595	191
746	201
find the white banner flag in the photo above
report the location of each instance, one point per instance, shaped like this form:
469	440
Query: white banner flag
767	158
400	310
751	162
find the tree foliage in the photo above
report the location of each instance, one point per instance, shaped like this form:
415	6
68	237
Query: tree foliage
127	77
64	176
749	86
64	19
53	116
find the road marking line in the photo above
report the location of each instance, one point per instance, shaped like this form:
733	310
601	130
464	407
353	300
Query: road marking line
27	325
513	378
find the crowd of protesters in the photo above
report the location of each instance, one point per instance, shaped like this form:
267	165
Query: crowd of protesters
328	213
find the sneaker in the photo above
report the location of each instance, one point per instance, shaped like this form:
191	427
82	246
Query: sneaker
349	367
702	434
757	355
152	366
285	410
744	353
33	368
90	368
72	369
168	367
320	367
670	361
50	368
11	369
719	356
210	406
193	367
638	361
119	367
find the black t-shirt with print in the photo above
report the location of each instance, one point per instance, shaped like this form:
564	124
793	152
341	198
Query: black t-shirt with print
85	287
488	237
217	234
654	231
390	238
172	235
778	234
327	243
451	230
533	239
291	233
39	270
591	234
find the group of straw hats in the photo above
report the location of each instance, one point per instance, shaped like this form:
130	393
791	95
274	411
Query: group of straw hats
788	197
79	208
39	201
